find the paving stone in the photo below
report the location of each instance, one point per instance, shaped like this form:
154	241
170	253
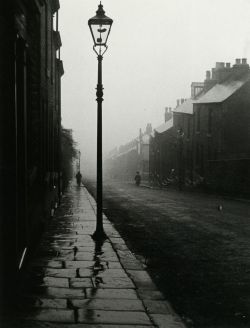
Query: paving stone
142	279
47	264
131	264
147	294
81	282
57	292
122	247
46	303
111	293
62	273
54	315
119	241
167	321
90	264
90	256
55	282
113	317
116	273
111	282
158	307
115	305
125	254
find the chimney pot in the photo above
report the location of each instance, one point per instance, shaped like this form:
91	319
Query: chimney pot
219	65
228	65
208	75
244	61
237	61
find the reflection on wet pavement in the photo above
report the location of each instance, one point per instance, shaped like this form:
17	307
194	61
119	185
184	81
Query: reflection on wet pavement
74	280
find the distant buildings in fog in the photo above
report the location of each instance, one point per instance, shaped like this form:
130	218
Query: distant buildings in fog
204	140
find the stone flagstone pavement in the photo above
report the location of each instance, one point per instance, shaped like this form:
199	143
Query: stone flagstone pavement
74	282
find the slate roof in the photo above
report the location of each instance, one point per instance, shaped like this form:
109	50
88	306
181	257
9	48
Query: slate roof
185	108
165	126
221	91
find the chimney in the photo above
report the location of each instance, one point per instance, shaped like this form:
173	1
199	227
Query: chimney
208	75
228	65
168	114
219	65
178	102
241	66
182	100
196	88
149	128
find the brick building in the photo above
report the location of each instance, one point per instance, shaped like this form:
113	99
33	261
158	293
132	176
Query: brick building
162	149
222	133
123	163
207	140
30	88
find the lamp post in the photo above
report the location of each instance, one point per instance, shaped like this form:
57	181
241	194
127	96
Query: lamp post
100	26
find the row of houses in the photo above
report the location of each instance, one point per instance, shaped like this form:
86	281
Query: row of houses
123	162
30	116
205	139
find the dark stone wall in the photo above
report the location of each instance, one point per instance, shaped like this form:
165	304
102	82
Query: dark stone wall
30	125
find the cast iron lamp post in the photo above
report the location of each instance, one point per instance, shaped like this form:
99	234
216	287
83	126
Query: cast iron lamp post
100	26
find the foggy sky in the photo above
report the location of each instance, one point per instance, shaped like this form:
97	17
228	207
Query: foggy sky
156	49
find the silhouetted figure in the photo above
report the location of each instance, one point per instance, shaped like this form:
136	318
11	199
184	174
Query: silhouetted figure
78	178
137	178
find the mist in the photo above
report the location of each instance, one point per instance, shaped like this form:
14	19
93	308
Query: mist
156	49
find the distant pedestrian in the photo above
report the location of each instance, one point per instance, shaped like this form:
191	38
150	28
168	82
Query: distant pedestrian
78	178
137	178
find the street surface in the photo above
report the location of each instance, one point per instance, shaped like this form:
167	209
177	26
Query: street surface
196	248
73	281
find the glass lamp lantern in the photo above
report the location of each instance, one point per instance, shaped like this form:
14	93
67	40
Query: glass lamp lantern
100	26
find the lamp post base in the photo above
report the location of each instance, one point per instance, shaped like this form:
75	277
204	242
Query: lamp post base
99	235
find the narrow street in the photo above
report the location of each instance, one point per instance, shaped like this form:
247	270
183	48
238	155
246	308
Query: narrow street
196	248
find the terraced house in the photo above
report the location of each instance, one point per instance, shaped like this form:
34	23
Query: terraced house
30	89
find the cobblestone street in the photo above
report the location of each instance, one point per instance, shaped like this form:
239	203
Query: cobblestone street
75	282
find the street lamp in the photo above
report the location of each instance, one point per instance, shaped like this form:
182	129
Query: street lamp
100	26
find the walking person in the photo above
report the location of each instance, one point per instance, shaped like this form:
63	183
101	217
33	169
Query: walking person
137	178
78	178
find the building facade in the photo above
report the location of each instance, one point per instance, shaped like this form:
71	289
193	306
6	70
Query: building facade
222	133
207	142
123	163
30	127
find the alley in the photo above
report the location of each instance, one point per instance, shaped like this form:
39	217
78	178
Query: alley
196	247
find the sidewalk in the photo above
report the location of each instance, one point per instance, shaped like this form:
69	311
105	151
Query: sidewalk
74	282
